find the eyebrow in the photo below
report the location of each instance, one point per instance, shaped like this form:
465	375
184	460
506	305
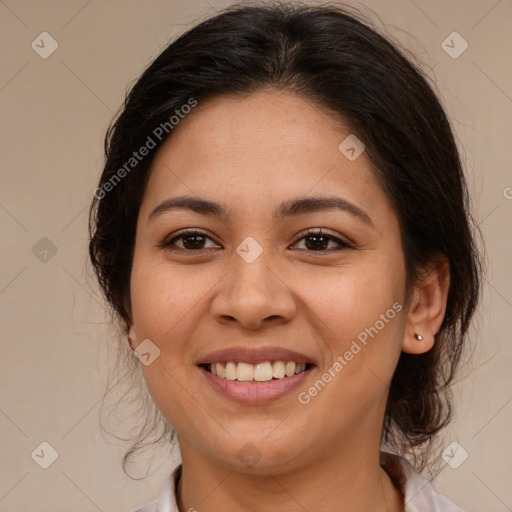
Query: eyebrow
292	207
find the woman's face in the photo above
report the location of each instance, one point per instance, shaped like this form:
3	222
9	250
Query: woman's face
250	285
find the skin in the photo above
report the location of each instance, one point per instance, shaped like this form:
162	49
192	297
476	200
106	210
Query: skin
250	153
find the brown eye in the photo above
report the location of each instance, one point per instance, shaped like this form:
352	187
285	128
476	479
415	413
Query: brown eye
189	241
193	241
319	241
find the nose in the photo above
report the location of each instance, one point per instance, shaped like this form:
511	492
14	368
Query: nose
254	295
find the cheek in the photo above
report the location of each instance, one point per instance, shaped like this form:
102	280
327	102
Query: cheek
165	306
362	322
164	298
361	317
350	301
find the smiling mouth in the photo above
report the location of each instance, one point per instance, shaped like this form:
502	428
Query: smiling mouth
259	372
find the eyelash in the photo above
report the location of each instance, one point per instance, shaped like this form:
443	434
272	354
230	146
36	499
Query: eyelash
169	243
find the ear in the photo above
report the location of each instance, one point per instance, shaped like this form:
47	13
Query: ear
427	307
132	337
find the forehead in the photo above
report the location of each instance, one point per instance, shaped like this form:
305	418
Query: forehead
252	123
265	145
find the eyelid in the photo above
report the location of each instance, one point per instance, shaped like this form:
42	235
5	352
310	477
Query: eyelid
167	243
344	244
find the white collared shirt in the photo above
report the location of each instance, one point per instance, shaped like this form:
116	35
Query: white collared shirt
419	493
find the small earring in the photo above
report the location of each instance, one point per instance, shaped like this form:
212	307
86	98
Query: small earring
419	337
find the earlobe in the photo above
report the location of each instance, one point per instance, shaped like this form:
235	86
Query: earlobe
132	337
427	308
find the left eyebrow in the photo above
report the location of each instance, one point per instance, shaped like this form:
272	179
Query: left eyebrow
315	204
292	207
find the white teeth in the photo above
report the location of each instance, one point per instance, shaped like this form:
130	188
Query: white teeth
220	370
289	369
231	371
245	372
260	372
278	370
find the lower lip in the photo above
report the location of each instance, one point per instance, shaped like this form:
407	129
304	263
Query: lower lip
255	393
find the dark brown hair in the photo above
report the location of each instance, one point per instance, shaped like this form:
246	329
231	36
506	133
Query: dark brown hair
329	57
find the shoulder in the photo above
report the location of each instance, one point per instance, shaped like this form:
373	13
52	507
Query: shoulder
149	507
419	495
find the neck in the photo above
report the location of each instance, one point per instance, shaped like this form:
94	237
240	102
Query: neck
346	481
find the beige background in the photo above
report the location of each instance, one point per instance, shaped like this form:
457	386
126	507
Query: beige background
54	334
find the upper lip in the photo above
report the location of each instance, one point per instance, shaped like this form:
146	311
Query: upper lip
254	355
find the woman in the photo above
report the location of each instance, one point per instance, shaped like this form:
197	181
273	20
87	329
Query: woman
282	229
